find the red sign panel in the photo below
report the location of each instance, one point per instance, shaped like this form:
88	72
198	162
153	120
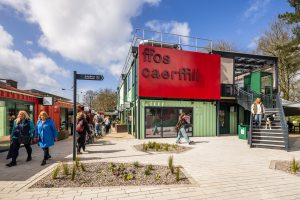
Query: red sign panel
171	73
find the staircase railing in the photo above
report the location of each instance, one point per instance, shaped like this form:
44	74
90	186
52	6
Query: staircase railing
244	98
283	121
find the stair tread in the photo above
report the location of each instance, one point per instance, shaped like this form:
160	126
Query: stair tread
267	136
262	140
270	145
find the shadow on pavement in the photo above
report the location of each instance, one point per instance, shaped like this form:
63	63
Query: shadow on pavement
107	151
24	170
294	144
199	142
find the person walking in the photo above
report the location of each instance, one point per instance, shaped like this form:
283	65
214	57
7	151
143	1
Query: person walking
98	120
22	132
107	124
181	126
45	134
82	128
258	110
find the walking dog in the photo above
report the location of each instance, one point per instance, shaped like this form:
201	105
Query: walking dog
269	119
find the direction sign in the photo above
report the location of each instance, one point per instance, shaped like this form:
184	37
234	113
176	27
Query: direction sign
90	77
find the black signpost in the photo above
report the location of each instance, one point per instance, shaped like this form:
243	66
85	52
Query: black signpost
90	77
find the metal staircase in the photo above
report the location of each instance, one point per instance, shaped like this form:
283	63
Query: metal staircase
277	137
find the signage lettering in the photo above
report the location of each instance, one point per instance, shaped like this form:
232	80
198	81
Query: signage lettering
183	74
89	77
149	55
176	74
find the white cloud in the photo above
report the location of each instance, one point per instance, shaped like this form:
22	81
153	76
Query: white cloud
28	42
256	10
6	39
180	28
36	72
253	44
92	32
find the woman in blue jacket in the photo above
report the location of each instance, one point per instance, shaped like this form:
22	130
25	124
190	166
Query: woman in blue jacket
45	134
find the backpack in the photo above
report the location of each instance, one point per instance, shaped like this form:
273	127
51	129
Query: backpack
79	126
99	119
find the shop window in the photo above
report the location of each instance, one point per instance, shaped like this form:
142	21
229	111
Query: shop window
64	119
161	122
170	118
153	123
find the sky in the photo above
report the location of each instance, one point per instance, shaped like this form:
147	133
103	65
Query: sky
43	42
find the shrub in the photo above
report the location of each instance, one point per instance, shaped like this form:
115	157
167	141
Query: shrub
170	164
136	164
145	147
147	171
151	145
73	172
294	166
150	167
65	169
166	147
77	162
82	167
175	146
128	177
55	172
157	147
177	174
157	177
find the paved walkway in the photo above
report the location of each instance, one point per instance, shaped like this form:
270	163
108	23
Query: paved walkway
223	168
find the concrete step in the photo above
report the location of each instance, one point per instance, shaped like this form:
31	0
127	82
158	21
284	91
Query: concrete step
264	134
264	137
267	131
268	146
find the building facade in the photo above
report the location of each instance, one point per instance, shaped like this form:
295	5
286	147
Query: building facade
12	100
163	78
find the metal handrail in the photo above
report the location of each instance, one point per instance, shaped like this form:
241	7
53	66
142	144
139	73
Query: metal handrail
283	121
251	124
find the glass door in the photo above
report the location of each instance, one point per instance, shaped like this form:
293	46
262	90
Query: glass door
153	123
224	119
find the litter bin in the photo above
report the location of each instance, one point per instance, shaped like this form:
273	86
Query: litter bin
243	131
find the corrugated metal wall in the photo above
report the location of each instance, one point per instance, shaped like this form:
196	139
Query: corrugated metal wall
204	114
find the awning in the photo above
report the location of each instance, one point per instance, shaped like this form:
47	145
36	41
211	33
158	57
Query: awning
291	108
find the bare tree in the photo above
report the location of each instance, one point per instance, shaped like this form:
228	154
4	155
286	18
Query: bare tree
222	45
89	97
106	100
274	42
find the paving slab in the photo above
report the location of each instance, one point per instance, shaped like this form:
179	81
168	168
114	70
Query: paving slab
222	168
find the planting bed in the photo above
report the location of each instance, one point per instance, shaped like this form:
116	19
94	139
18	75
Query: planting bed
284	165
161	147
114	174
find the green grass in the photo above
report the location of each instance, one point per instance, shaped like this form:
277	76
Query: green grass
145	147
73	174
150	167
147	171
65	169
294	166
77	162
128	177
177	174
136	164
82	167
170	164
55	172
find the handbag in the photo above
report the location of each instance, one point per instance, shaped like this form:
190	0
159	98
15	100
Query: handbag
24	139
